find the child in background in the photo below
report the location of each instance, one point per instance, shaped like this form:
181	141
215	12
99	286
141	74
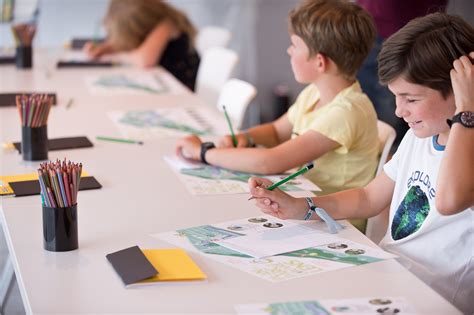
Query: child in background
332	120
146	33
429	183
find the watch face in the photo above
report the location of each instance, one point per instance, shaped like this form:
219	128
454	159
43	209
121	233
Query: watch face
467	119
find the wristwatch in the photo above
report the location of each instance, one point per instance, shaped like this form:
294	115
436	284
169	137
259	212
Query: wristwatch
205	146
464	118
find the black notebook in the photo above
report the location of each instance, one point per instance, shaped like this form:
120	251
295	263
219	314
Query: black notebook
131	265
7	60
84	64
32	187
63	143
9	99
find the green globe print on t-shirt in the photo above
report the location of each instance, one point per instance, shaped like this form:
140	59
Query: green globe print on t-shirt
411	213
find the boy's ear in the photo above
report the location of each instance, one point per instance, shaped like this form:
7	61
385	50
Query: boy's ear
321	62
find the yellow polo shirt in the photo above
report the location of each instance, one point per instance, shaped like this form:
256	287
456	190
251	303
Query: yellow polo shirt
350	120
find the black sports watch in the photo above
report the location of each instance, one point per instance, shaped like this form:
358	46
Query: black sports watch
204	147
464	118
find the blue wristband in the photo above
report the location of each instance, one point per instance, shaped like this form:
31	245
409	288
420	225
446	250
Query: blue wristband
332	225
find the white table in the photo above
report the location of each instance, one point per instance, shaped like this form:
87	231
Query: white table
140	196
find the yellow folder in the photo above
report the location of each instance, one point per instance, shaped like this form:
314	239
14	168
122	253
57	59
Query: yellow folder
173	265
5	181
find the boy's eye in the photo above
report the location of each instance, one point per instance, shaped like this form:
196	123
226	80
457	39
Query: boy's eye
411	100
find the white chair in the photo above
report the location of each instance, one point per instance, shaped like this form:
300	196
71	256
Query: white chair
215	69
387	135
376	226
236	95
212	36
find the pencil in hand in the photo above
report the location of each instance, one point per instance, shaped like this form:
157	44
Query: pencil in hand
229	123
303	170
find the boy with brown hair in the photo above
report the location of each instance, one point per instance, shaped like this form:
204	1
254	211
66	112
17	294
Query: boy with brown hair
429	182
332	121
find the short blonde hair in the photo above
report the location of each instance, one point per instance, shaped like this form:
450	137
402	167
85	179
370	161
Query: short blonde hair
128	22
338	29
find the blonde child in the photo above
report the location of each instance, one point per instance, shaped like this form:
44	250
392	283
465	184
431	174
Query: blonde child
332	121
429	183
146	33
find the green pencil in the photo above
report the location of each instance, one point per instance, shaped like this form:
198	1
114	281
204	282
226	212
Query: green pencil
234	139
303	170
119	140
69	103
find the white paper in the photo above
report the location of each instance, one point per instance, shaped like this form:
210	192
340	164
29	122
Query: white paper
202	179
75	56
164	122
360	306
126	83
334	256
275	236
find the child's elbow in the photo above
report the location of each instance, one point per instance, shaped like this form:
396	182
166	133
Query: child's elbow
448	206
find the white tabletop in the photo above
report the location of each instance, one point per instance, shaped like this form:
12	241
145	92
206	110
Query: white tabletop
141	196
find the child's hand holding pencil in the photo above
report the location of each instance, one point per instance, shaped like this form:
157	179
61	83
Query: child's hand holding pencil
276	202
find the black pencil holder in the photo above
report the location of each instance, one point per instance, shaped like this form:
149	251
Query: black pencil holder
34	143
60	229
24	57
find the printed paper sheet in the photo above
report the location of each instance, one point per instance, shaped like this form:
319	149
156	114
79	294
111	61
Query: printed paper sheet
126	83
365	306
162	122
333	256
202	179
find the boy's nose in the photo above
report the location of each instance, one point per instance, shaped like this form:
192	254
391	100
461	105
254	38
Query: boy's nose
400	112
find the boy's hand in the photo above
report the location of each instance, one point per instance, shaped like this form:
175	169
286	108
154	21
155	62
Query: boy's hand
96	50
226	141
462	79
276	202
189	147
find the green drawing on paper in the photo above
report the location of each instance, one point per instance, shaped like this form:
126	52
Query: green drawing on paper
144	119
300	308
332	255
203	237
121	81
217	173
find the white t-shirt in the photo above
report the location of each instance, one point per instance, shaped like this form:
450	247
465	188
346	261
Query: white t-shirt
437	249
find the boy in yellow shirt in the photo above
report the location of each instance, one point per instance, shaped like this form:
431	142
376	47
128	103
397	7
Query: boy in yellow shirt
332	121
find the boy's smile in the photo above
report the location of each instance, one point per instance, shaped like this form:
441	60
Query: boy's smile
424	109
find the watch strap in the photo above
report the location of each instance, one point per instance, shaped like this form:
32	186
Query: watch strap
205	146
332	224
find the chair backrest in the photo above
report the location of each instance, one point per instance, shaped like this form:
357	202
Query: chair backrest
236	95
212	36
387	135
215	69
376	226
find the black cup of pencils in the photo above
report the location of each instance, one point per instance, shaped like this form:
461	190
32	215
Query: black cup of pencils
34	112
59	182
23	34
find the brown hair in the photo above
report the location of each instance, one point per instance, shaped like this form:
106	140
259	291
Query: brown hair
423	51
338	29
128	22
